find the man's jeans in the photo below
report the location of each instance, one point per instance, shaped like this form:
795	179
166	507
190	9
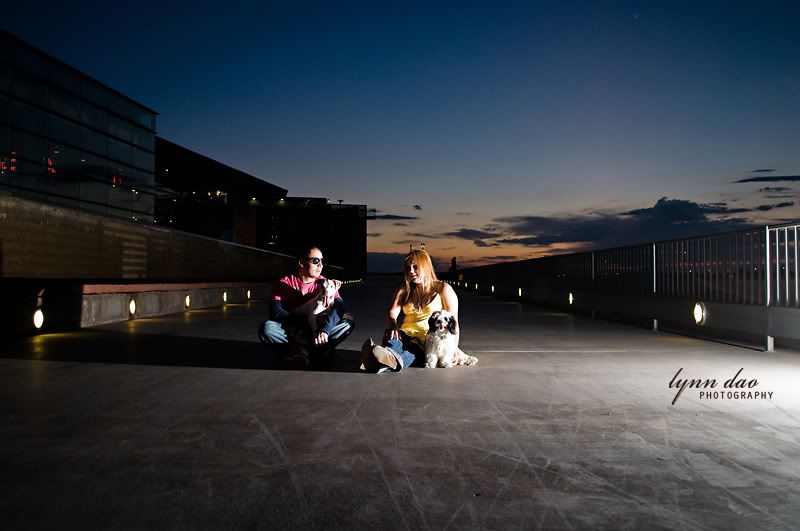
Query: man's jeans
274	333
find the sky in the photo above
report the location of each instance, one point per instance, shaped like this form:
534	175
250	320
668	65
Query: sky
488	131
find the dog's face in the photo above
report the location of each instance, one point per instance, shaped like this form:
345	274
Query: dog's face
442	321
326	287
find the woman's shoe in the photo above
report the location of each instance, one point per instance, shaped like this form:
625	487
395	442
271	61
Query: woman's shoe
385	357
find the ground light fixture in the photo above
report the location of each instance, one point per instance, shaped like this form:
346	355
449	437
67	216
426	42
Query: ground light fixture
38	318
571	298
132	307
187	302
699	313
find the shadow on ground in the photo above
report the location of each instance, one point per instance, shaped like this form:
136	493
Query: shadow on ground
104	346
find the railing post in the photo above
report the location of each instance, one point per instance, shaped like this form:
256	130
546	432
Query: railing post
594	292
655	321
769	340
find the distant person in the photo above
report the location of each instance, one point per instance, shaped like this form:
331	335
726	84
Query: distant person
404	344
288	325
453	265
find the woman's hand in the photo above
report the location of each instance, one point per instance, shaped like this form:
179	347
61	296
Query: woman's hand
391	333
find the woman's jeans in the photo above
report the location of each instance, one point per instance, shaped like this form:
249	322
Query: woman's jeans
407	349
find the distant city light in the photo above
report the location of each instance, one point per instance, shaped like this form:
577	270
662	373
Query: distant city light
224	296
132	307
187	302
571	298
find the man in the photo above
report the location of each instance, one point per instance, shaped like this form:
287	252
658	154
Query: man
293	296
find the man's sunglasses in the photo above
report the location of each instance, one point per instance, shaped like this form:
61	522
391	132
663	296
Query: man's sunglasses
314	260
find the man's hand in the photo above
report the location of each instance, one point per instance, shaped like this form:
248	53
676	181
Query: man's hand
321	338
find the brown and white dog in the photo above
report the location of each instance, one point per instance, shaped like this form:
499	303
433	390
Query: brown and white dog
327	291
440	343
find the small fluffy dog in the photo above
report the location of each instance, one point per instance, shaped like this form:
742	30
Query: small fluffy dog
440	343
327	289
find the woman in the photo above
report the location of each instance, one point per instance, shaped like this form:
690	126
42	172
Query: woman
422	295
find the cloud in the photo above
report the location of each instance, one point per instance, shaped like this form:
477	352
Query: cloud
470	234
766	208
779	196
463	213
374	234
771	179
766	170
681	211
774	189
667	219
481	243
417	207
394	216
400	224
422	235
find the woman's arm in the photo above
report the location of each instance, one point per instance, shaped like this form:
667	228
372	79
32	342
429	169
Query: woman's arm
451	305
392	332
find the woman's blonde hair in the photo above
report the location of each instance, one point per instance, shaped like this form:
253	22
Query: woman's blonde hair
425	266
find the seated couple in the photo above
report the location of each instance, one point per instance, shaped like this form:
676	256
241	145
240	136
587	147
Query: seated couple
403	345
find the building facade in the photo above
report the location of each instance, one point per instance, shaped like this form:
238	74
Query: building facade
68	139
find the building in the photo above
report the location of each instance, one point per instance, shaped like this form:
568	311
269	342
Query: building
203	196
68	139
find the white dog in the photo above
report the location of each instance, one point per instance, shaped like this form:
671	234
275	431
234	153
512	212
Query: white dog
327	290
440	343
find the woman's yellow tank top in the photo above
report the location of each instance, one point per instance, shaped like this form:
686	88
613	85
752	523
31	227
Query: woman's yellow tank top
415	320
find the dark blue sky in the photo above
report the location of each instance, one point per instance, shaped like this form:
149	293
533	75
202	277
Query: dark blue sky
515	128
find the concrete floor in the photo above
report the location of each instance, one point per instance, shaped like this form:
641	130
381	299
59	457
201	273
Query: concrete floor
183	422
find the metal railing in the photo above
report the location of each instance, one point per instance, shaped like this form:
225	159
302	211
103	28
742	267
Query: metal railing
781	258
751	269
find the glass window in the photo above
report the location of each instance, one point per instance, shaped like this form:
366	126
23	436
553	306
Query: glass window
5	140
144	160
92	166
5	103
65	104
91	115
93	141
64	131
94	92
120	128
64	76
62	167
29	118
29	89
29	147
146	119
144	139
63	159
120	152
5	79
